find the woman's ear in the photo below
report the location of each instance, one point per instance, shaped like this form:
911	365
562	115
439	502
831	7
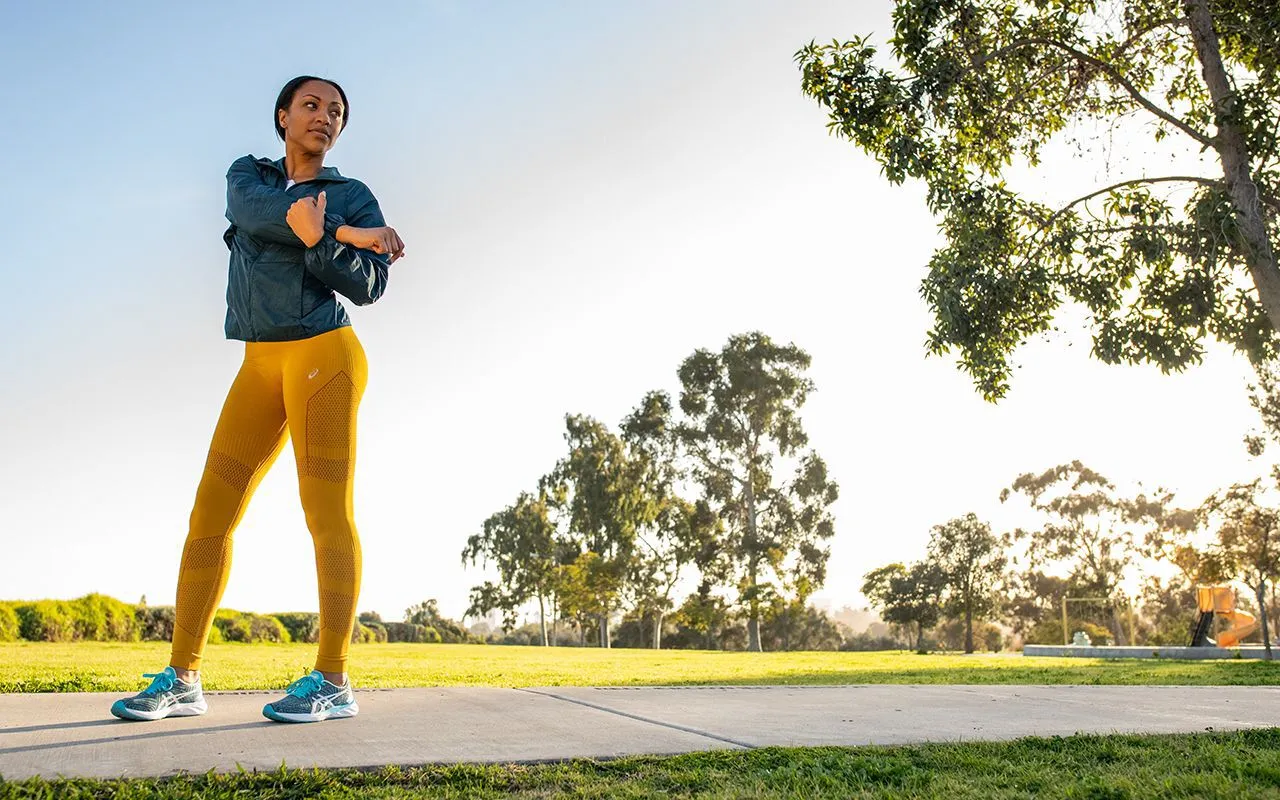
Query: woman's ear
282	116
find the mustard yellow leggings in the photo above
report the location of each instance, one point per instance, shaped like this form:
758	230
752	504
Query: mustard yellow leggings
309	389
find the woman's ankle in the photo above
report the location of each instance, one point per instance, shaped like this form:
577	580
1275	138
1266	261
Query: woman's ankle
186	675
336	678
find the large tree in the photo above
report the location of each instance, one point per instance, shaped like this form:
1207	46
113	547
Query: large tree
1162	262
520	541
1090	529
907	595
1248	534
1031	598
973	561
600	490
742	427
676	533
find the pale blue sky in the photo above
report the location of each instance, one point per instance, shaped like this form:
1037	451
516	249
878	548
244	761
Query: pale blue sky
588	192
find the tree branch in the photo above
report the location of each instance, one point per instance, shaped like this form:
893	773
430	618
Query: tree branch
706	459
1122	184
1177	22
1110	72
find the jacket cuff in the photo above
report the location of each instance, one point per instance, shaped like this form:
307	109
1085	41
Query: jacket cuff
332	222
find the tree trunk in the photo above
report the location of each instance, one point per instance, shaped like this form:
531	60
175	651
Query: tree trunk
1262	614
542	619
1117	629
1274	607
555	621
657	631
968	628
1234	155
753	620
604	630
919	636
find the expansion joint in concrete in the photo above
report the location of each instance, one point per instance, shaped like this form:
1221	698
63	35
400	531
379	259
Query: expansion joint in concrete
639	718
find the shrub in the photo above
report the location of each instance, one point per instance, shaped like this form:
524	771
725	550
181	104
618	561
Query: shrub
376	630
303	626
46	621
867	641
99	618
1050	632
155	623
240	626
405	632
266	629
531	634
449	630
233	625
361	634
9	629
986	635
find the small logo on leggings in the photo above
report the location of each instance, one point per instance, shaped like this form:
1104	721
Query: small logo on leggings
314	373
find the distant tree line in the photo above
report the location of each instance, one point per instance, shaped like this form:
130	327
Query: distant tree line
700	522
97	617
1092	541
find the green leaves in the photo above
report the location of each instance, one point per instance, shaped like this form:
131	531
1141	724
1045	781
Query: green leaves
980	85
741	423
520	541
972	560
907	595
611	525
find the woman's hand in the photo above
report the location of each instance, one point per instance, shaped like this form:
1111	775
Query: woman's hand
306	218
380	240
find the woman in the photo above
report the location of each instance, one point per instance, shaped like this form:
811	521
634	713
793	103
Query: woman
299	232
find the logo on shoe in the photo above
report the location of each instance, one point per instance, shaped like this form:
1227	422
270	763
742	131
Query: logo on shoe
326	702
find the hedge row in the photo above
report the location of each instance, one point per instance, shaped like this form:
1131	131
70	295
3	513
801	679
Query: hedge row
100	618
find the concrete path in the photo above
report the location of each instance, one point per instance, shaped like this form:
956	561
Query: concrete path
73	735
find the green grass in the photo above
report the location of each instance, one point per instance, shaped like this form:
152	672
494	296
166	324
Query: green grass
115	667
1228	765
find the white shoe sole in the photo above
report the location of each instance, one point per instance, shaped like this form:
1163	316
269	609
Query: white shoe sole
337	712
181	710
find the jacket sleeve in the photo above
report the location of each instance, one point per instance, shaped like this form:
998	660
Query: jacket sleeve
358	275
259	210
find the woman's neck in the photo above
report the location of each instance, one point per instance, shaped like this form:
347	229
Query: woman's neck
302	166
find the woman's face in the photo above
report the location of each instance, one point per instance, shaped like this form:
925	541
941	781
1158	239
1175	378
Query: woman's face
314	118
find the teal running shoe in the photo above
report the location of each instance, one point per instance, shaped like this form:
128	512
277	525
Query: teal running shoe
313	699
165	697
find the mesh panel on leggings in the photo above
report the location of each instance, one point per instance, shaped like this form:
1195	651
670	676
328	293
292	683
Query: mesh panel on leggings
205	553
337	566
329	430
336	611
192	599
236	474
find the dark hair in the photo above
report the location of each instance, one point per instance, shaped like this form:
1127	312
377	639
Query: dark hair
291	88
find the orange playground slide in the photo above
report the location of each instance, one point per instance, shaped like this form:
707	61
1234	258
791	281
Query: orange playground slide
1221	601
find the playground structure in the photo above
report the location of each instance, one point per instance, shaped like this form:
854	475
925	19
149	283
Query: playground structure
1220	601
1066	625
1213	602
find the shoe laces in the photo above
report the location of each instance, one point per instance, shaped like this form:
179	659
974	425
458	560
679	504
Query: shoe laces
306	685
161	682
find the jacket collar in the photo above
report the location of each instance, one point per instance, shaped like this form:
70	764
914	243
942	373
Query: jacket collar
326	173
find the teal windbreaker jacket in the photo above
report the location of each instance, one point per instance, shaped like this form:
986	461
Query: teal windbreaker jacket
278	289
